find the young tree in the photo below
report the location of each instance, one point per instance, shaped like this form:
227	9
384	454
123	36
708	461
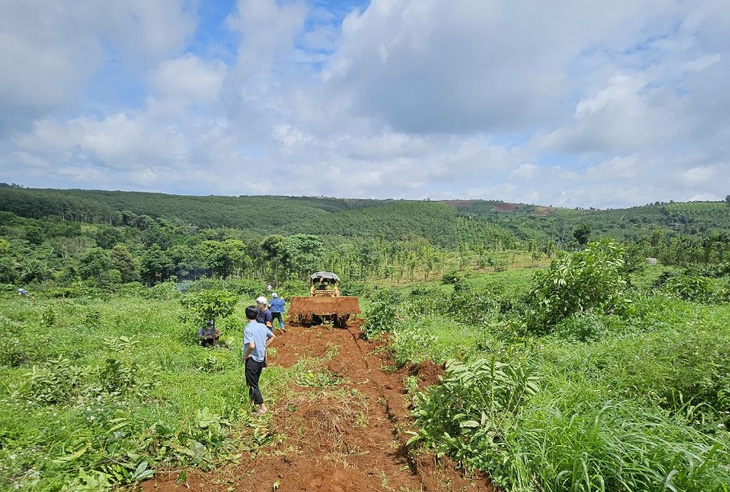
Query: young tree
94	263
582	233
8	271
123	261
588	280
208	304
306	254
156	265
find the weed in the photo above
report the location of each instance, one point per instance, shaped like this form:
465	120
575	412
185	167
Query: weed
48	317
318	379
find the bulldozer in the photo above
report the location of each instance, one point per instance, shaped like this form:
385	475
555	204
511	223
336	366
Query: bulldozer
324	304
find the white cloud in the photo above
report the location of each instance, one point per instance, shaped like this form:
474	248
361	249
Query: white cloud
699	174
189	79
50	50
567	103
616	169
525	171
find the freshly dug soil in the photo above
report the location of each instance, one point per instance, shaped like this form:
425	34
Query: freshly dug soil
348	436
323	306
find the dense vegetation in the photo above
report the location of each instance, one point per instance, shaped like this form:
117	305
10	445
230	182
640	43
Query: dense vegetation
100	238
570	363
570	379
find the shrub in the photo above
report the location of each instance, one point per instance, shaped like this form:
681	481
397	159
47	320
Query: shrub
412	344
208	304
452	277
464	415
12	353
424	301
56	381
470	305
588	280
581	327
350	288
382	315
689	288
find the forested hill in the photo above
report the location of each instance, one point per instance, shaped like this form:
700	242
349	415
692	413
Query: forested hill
442	222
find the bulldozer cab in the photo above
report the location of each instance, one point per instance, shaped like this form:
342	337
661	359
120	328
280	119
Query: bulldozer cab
324	284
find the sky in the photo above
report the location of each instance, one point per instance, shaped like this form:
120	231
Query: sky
572	103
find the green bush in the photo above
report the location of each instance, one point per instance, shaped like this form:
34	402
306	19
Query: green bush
208	304
465	415
56	381
383	313
425	301
412	344
698	289
590	280
472	306
581	327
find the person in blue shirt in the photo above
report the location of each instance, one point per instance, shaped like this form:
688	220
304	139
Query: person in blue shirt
277	310
256	337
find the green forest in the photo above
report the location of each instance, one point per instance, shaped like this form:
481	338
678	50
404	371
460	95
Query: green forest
68	238
580	349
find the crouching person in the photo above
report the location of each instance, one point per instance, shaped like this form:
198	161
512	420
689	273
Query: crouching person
209	334
256	337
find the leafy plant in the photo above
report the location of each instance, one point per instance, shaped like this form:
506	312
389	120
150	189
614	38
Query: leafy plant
465	415
690	288
48	317
588	280
208	304
56	381
412	344
382	315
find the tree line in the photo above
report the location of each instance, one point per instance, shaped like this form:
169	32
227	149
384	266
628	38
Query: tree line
103	238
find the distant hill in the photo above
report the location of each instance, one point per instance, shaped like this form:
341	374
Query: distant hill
442	222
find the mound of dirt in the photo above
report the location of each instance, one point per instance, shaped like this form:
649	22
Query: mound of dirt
324	306
427	371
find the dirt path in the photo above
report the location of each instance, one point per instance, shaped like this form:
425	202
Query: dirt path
340	428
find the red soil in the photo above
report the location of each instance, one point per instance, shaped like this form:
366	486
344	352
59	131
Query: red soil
324	305
349	437
505	207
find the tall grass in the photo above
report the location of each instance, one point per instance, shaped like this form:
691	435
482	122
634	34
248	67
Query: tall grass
98	392
632	401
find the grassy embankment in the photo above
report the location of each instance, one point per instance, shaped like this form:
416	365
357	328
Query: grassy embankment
101	390
633	401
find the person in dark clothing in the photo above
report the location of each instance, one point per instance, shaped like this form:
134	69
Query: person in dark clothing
256	337
264	314
209	334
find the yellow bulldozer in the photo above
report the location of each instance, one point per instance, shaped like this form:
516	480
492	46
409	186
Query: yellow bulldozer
324	304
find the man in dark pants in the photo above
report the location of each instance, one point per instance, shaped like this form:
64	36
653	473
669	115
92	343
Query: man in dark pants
256	337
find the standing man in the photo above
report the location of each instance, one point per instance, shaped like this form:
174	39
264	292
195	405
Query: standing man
264	314
256	337
277	310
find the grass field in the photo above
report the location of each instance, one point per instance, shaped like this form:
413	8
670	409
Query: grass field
638	401
100	390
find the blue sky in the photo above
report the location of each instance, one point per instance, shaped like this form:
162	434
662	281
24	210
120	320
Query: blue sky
576	104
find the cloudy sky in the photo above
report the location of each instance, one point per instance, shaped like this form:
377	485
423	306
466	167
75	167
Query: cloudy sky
565	103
